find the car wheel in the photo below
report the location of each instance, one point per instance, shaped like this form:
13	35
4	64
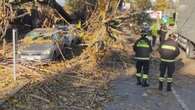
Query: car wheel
190	50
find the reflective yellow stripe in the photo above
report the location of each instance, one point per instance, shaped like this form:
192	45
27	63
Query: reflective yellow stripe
139	75
143	45
165	60
145	76
169	79
168	47
161	79
140	58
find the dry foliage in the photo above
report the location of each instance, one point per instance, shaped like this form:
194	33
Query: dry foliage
161	5
142	4
79	80
6	15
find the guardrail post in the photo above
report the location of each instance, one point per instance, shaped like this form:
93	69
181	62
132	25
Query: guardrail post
14	34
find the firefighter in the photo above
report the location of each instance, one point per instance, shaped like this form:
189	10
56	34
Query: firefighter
146	27
142	48
168	50
162	32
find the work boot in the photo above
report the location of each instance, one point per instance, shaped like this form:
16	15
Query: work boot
139	81
160	85
145	83
169	86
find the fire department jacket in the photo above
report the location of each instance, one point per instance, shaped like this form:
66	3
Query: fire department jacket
169	50
142	49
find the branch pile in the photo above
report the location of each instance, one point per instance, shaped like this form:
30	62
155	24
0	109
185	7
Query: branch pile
6	15
83	86
103	29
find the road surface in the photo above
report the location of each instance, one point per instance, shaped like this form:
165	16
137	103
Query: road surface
128	96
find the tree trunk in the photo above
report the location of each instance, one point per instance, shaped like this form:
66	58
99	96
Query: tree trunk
61	10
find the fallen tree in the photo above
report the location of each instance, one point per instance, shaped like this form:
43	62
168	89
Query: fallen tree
101	30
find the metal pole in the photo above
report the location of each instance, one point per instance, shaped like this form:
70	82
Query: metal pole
14	31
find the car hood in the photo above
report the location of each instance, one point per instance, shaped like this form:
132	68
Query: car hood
36	48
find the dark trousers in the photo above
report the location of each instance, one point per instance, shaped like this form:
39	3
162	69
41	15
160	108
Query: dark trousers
162	37
167	67
153	41
142	66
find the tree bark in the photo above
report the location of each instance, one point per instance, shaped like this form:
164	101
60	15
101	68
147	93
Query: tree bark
61	10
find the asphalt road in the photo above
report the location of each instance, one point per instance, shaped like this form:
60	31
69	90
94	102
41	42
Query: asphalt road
128	96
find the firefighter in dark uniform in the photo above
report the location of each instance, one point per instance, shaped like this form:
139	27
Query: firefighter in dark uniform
162	33
168	50
143	49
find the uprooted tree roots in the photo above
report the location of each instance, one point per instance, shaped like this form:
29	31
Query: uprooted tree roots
79	83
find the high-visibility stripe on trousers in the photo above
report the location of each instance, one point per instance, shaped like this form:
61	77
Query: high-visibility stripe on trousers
145	76
161	79
139	75
169	80
167	69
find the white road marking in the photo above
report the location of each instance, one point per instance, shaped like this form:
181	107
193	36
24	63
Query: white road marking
180	101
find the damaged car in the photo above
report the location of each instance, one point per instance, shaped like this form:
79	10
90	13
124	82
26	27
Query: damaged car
44	44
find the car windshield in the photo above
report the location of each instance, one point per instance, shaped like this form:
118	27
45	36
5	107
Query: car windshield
37	38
